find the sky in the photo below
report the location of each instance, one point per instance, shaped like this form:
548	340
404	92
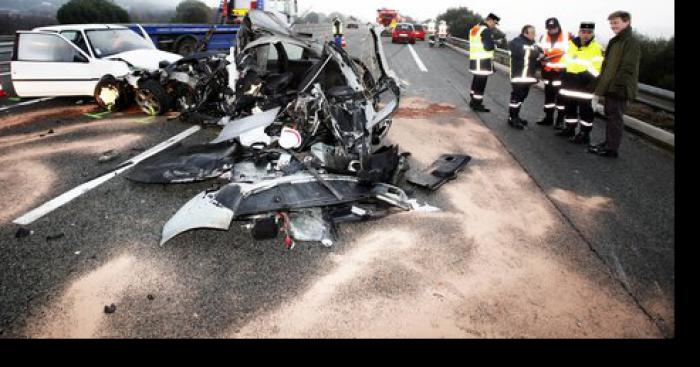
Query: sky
654	18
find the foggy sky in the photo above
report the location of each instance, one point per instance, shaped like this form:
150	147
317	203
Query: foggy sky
651	17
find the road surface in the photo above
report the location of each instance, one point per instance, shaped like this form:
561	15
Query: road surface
535	238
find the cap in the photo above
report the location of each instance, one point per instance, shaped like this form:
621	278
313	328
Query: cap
587	25
551	23
493	16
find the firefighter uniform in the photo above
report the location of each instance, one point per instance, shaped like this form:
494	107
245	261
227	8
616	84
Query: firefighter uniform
481	50
338	31
554	49
523	63
583	63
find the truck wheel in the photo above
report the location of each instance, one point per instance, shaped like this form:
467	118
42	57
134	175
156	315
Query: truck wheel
110	94
185	45
152	98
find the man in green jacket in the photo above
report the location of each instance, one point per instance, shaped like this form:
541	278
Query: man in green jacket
618	81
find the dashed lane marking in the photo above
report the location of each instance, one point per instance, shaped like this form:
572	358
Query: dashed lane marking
419	62
68	196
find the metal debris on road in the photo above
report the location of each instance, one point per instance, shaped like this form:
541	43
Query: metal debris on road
331	113
110	309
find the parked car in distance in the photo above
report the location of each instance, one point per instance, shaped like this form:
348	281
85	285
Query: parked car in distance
418	32
403	33
82	60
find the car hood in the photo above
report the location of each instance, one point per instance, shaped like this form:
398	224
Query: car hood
146	59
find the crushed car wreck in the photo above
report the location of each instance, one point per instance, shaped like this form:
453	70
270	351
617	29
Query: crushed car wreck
301	137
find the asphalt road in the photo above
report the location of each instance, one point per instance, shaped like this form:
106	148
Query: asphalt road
623	208
608	218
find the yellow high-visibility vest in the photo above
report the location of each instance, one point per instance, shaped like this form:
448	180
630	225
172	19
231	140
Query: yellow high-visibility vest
476	46
582	59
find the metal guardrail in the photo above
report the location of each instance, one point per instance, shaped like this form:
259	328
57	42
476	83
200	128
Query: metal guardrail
653	96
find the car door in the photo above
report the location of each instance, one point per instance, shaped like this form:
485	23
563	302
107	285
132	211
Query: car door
47	64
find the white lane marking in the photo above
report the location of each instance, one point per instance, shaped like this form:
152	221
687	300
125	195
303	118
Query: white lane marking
68	196
3	74
420	64
25	103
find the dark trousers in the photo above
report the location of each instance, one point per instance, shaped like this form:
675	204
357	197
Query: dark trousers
579	111
552	84
614	110
478	88
519	92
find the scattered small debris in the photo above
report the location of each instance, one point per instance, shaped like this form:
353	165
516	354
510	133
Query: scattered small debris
80	101
56	236
579	324
22	232
77	252
111	308
108	156
50	131
150	297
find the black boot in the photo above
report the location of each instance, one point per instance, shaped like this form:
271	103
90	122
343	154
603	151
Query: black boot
583	137
516	122
559	124
567	132
548	118
478	106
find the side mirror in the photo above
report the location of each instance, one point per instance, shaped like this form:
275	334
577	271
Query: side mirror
78	57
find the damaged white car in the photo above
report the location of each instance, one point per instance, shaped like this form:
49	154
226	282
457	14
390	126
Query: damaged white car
82	60
301	138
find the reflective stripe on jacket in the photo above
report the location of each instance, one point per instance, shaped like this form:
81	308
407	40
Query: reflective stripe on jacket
581	58
555	50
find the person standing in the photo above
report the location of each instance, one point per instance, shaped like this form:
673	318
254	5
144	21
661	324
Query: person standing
481	49
337	31
583	60
553	44
618	81
523	63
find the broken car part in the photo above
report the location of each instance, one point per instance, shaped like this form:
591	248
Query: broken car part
442	170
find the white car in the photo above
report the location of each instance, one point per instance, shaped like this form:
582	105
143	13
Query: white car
82	60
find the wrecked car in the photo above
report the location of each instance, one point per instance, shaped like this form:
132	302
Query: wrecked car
82	60
301	144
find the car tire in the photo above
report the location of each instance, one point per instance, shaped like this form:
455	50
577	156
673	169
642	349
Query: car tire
152	98
110	94
413	41
185	45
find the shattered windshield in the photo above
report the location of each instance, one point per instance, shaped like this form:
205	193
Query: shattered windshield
108	42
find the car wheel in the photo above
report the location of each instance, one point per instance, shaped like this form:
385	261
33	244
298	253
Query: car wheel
413	41
152	98
186	46
110	94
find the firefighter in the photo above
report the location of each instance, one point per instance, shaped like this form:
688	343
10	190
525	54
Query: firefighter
553	44
431	30
583	60
481	49
524	54
337	31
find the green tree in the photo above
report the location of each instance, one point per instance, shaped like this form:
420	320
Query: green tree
460	20
656	65
312	18
91	11
192	11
